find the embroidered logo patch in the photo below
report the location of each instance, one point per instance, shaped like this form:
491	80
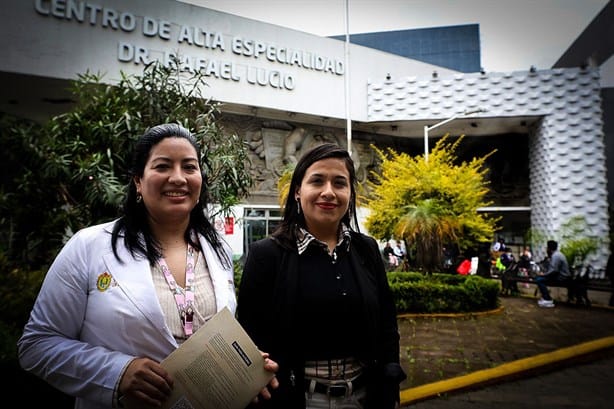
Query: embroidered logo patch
104	281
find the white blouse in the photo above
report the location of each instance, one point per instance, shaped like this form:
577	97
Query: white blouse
204	298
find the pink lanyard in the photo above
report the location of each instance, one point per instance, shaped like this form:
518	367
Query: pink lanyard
185	303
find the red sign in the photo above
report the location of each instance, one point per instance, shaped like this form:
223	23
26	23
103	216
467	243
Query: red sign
229	225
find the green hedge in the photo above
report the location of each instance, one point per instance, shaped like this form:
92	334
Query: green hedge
442	293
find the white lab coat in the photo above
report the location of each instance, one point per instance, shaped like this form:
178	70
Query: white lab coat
93	315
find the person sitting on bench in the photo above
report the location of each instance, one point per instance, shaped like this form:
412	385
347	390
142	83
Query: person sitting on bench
556	274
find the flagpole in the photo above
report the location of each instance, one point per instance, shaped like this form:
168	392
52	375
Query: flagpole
348	118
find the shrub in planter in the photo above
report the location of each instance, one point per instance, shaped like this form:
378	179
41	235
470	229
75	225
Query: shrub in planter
437	293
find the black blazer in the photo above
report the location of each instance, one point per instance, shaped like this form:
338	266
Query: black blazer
266	309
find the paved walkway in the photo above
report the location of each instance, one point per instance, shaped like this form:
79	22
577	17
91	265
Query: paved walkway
480	359
576	386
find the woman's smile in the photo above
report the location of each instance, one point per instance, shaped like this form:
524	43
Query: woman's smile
326	206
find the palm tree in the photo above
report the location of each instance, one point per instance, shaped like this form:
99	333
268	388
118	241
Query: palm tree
428	226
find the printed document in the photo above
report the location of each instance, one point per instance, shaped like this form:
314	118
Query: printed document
218	367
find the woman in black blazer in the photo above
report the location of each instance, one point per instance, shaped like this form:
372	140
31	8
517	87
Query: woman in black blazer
315	296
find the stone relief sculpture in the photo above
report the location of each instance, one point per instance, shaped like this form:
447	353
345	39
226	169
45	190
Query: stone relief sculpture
292	145
300	141
274	147
265	177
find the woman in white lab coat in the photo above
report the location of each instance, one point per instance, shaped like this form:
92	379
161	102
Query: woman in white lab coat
121	296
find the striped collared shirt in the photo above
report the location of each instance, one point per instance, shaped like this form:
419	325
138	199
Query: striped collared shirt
304	239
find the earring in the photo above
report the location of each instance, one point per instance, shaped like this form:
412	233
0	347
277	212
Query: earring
139	198
298	205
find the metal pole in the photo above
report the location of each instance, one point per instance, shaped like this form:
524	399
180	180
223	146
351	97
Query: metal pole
426	134
438	124
348	119
426	143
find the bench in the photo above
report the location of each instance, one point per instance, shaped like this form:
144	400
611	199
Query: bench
577	287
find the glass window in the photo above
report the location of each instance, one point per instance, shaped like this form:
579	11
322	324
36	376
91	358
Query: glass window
258	224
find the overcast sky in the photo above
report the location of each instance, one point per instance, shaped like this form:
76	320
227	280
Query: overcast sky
514	34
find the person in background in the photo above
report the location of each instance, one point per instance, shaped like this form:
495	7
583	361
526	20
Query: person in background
499	245
316	297
399	252
496	251
507	258
121	296
525	267
509	271
389	256
556	272
524	261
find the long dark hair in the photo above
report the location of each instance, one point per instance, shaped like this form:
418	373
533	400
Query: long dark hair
286	231
133	223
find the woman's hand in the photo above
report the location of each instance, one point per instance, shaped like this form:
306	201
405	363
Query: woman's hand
145	380
273	367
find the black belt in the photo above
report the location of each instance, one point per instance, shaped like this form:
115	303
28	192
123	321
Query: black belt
337	389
